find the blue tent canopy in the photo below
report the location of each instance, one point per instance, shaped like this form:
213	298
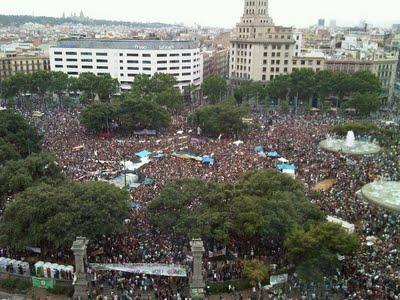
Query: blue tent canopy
282	167
273	154
135	205
259	149
207	160
143	154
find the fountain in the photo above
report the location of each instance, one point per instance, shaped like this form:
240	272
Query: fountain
383	193
350	139
350	145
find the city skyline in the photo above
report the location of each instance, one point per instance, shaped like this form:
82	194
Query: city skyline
173	11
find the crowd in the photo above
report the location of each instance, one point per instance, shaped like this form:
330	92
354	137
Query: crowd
373	274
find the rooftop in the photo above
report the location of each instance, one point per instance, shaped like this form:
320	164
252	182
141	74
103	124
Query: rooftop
127	44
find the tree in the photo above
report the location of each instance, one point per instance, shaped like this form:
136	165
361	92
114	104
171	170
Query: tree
362	127
279	87
106	86
214	88
161	82
365	82
315	251
39	82
17	176
97	116
219	118
284	106
365	103
88	83
192	208
170	98
303	84
263	205
255	271
15	130
73	85
51	217
142	114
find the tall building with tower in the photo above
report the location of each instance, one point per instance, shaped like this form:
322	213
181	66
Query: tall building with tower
321	22
260	51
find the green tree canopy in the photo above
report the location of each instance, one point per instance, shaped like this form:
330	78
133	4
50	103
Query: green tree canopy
106	86
16	131
214	88
261	206
51	217
142	114
219	118
315	251
255	271
17	176
97	116
365	103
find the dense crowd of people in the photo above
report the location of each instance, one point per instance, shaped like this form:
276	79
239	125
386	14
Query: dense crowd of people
373	274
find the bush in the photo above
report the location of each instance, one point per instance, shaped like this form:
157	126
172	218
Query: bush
15	284
362	127
223	287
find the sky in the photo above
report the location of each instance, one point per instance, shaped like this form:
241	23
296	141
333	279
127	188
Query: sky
221	13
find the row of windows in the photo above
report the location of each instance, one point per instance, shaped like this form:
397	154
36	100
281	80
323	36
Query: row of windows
309	62
71	53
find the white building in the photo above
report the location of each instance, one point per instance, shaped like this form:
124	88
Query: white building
124	59
298	37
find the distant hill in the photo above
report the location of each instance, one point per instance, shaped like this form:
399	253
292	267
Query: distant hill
7	20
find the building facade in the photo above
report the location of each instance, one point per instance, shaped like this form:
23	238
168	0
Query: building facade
124	59
216	62
12	64
260	51
383	65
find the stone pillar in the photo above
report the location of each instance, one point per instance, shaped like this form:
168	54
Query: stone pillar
80	280
197	283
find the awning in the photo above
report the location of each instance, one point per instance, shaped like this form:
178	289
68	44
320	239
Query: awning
273	154
143	154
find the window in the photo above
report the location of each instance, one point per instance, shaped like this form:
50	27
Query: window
174	68
162	69
86	60
72	67
174	54
87	67
131	75
101	54
162	55
72	73
186	74
162	62
59	66
186	61
147	62
132	54
146	69
186	67
102	68
318	62
186	54
102	60
58	59
264	77
146	55
57	53
133	68
132	61
86	53
72	59
174	61
71	53
121	54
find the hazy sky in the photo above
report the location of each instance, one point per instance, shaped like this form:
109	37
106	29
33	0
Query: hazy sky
223	13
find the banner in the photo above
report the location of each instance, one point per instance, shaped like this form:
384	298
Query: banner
146	269
45	283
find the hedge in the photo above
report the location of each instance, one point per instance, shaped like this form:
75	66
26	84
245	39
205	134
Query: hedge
223	287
